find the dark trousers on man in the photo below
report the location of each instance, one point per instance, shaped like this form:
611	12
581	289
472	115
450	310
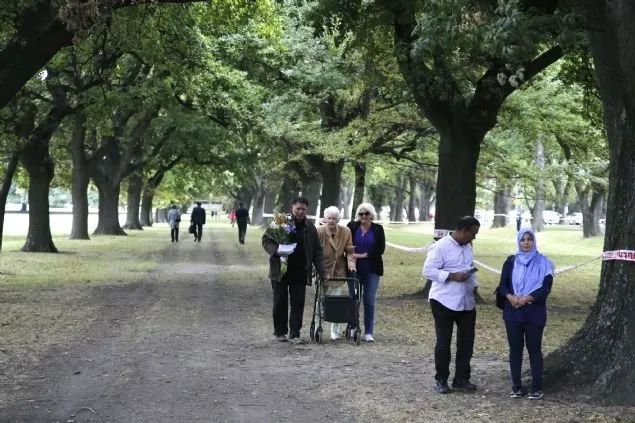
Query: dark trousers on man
284	290
198	231
242	230
174	233
517	334
444	320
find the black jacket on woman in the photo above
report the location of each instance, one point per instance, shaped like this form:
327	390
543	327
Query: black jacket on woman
374	257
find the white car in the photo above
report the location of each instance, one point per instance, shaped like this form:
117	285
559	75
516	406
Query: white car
551	217
574	219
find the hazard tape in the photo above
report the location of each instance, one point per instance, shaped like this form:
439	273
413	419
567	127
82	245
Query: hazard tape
625	255
618	255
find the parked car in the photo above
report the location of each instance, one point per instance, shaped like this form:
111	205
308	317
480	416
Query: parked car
574	219
551	217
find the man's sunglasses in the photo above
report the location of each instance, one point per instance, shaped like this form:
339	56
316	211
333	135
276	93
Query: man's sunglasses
363	214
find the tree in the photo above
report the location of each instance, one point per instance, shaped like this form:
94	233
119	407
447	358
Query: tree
461	60
608	331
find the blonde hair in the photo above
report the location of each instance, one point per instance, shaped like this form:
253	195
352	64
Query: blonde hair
366	207
331	210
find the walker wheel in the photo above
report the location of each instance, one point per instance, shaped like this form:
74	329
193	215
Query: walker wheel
318	336
312	331
357	337
347	332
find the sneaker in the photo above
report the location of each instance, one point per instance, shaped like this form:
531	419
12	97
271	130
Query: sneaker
369	338
463	385
517	393
335	336
281	338
442	388
536	395
296	341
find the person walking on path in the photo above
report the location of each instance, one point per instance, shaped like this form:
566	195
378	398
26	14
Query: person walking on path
525	283
174	218
370	243
242	219
449	267
292	284
339	257
197	218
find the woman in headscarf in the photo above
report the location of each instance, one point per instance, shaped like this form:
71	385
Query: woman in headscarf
525	283
339	257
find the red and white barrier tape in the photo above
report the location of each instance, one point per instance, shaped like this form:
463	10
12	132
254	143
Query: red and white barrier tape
625	255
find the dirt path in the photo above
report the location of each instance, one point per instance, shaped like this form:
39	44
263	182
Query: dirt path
193	343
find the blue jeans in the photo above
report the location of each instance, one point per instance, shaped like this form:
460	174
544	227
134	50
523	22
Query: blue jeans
517	335
369	283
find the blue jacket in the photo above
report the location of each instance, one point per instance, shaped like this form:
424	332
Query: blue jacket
534	313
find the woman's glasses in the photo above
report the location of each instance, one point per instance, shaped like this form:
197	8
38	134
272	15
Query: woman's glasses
363	214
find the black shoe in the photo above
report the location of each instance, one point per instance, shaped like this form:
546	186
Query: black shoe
536	395
463	385
517	393
442	388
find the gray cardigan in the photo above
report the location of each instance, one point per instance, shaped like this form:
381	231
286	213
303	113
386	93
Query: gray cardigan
312	248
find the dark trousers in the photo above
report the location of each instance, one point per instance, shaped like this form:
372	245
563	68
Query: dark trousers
282	292
198	231
242	230
517	335
174	233
444	320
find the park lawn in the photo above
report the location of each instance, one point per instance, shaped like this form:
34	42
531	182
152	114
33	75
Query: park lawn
100	260
404	315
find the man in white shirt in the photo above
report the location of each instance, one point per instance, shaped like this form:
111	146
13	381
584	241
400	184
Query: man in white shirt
451	297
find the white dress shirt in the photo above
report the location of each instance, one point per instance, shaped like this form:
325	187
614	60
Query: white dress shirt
444	257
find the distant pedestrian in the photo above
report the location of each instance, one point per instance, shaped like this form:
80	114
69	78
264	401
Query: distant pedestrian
232	217
197	218
519	219
242	219
174	218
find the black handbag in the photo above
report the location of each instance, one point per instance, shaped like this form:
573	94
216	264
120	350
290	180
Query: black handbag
500	300
192	229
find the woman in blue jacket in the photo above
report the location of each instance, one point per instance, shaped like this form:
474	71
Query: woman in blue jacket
525	283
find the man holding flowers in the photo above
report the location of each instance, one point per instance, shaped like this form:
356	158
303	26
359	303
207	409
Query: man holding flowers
290	269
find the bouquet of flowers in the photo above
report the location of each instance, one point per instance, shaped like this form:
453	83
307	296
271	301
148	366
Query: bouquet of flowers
280	230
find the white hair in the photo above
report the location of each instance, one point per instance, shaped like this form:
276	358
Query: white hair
366	207
331	210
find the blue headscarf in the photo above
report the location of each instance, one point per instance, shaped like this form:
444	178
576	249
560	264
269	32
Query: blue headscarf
530	268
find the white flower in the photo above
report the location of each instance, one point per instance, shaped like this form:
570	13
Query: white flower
513	81
520	74
501	78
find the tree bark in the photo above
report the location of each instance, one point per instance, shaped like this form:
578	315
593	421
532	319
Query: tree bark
270	201
80	179
346	196
609	332
426	191
502	204
331	184
396	212
259	206
360	185
288	191
377	195
459	148
412	198
37	161
146	207
538	223
311	191
14	160
135	188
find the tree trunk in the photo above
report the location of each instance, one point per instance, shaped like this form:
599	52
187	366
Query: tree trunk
597	199
6	186
459	148
288	191
38	163
270	201
311	191
331	184
135	187
426	191
412	197
562	195
80	179
108	223
502	204
360	185
397	213
538	223
161	215
609	332
259	205
346	196
377	194
146	207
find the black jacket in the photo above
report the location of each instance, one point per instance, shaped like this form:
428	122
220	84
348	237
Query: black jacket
376	262
242	216
198	215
